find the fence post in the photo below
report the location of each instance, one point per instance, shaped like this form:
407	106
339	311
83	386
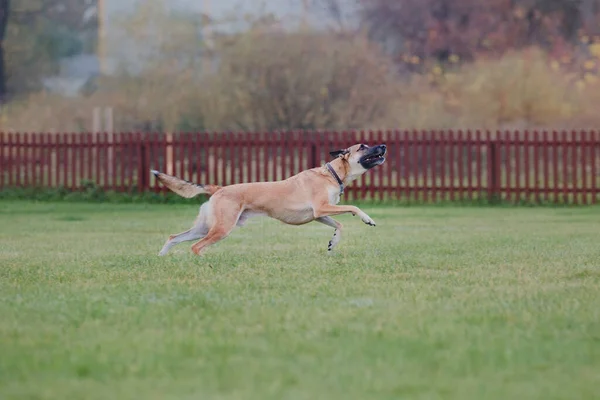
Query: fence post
3	169
143	169
493	172
313	150
169	152
109	127
594	149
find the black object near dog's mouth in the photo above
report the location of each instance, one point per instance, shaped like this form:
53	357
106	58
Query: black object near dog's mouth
374	158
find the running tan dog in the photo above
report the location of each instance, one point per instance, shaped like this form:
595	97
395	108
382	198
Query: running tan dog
309	196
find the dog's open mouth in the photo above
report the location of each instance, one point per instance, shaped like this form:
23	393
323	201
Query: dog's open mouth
375	158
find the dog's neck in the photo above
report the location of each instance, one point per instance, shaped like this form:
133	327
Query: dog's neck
337	178
340	169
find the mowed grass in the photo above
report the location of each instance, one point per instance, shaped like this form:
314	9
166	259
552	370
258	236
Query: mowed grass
433	303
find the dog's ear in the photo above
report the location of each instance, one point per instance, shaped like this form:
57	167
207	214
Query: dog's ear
339	153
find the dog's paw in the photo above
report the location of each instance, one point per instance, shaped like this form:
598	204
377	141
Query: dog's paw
334	241
368	220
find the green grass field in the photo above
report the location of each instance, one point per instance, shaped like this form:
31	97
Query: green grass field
433	303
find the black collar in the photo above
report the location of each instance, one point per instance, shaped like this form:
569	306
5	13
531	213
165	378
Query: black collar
337	178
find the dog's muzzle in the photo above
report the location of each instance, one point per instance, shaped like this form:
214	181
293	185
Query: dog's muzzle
374	156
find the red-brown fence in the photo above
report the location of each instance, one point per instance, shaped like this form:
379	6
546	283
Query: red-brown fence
553	167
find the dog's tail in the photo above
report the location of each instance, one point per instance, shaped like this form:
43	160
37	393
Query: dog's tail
184	188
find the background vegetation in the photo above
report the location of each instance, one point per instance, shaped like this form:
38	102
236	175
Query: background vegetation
403	64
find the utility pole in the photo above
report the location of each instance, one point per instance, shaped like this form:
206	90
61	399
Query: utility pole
101	50
305	12
206	37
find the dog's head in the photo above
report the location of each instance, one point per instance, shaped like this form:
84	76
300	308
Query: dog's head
361	158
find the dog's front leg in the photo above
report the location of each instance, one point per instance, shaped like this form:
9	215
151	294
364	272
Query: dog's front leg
328	209
337	234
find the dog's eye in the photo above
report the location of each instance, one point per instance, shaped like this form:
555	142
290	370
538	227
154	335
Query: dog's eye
362	147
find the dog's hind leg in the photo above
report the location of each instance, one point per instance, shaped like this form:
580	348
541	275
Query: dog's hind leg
225	216
337	234
198	231
215	234
193	234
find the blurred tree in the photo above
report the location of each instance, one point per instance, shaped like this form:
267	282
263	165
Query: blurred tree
259	79
4	12
160	81
158	35
37	34
439	29
303	80
590	10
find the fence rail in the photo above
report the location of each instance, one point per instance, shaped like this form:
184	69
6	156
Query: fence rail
552	167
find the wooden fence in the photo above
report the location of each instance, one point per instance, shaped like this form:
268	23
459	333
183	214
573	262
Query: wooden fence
552	167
